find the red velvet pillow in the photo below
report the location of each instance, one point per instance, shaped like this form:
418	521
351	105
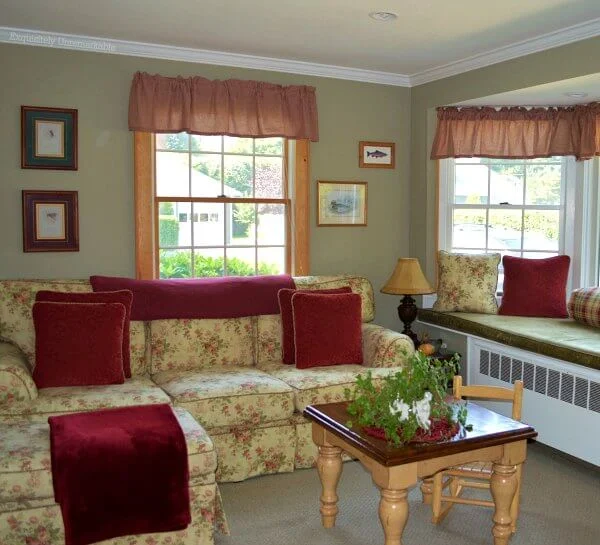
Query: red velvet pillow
288	348
125	297
78	344
535	287
327	329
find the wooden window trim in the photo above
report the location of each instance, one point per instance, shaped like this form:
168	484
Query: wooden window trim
146	244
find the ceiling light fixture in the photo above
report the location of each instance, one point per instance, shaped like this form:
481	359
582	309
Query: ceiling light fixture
577	94
383	16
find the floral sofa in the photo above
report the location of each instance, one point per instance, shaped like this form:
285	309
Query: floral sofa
240	407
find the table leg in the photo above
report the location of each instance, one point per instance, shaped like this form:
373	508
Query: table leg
393	513
329	465
427	490
504	486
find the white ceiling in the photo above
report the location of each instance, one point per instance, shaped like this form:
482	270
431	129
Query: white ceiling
427	35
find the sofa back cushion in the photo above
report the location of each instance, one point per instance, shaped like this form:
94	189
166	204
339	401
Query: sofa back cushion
16	322
182	344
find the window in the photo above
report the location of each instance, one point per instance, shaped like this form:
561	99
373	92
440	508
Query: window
234	190
515	207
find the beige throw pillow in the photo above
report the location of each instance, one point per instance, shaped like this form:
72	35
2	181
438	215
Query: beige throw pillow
467	283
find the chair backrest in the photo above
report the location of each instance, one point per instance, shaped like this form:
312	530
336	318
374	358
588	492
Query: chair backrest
515	395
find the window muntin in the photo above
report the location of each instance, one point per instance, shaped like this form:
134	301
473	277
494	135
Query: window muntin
222	205
514	207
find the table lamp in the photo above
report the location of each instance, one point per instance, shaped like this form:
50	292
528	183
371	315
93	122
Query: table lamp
407	279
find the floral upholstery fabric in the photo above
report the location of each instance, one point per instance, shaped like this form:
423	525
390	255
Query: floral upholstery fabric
321	384
306	450
68	399
16	301
42	525
467	283
245	452
359	284
16	383
268	338
385	348
137	348
194	344
228	396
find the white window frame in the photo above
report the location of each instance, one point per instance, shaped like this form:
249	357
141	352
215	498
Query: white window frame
579	223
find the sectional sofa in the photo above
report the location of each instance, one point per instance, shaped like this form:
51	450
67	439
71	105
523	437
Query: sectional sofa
239	406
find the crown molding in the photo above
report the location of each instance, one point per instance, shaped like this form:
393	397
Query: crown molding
564	36
203	56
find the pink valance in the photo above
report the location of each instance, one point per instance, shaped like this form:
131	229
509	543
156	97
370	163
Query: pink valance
232	107
518	133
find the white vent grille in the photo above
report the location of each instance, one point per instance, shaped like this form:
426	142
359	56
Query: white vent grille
566	387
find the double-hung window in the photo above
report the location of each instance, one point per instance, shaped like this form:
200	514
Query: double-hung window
221	206
514	207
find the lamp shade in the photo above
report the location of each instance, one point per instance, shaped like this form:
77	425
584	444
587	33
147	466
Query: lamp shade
407	279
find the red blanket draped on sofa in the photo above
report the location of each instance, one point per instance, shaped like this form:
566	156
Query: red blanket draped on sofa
225	297
120	472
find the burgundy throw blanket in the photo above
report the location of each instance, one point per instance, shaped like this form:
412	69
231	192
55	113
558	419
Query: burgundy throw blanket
119	472
225	297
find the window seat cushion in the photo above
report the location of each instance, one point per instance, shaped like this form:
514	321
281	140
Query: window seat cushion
560	338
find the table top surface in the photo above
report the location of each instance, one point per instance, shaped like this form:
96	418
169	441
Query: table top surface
489	429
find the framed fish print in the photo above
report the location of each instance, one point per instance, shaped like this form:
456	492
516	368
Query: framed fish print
50	221
376	155
48	138
341	204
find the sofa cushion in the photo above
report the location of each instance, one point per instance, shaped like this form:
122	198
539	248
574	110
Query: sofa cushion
327	329
358	284
124	297
25	471
584	306
16	301
535	287
78	344
288	346
68	399
322	384
227	395
194	344
467	283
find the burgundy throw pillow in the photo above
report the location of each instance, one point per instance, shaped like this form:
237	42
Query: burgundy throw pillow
327	329
125	297
78	344
288	347
535	287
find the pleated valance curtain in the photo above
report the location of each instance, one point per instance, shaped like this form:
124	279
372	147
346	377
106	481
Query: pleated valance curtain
232	107
518	133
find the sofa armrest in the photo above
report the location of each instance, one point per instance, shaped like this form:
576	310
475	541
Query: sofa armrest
16	383
385	348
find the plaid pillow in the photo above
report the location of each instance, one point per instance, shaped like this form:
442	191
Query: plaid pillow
584	306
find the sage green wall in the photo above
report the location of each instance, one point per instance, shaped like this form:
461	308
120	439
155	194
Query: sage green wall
98	86
565	62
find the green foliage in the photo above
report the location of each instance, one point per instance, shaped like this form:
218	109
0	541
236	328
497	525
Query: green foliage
166	209
168	230
243	217
178	265
177	142
372	405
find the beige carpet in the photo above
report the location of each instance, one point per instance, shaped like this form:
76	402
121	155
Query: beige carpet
560	505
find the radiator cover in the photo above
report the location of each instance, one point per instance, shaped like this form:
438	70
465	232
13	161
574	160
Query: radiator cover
560	400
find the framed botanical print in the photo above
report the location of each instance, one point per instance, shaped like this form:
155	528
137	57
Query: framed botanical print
50	221
48	138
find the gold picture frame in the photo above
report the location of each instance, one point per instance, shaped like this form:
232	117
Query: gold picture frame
377	155
341	204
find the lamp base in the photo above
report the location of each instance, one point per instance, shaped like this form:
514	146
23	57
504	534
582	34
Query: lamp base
407	312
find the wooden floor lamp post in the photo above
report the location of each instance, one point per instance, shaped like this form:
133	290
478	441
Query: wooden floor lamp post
407	279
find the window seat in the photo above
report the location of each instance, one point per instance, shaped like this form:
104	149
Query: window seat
560	338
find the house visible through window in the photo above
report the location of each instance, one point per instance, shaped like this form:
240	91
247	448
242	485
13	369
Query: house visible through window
222	205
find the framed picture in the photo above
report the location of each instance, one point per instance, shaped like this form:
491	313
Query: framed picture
48	138
341	204
376	155
50	221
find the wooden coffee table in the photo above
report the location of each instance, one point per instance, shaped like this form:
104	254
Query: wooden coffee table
494	438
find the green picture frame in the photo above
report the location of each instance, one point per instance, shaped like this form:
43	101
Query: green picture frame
48	138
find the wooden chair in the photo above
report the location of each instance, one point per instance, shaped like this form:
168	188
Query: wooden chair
478	474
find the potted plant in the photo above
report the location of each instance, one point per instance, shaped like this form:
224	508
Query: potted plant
410	405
